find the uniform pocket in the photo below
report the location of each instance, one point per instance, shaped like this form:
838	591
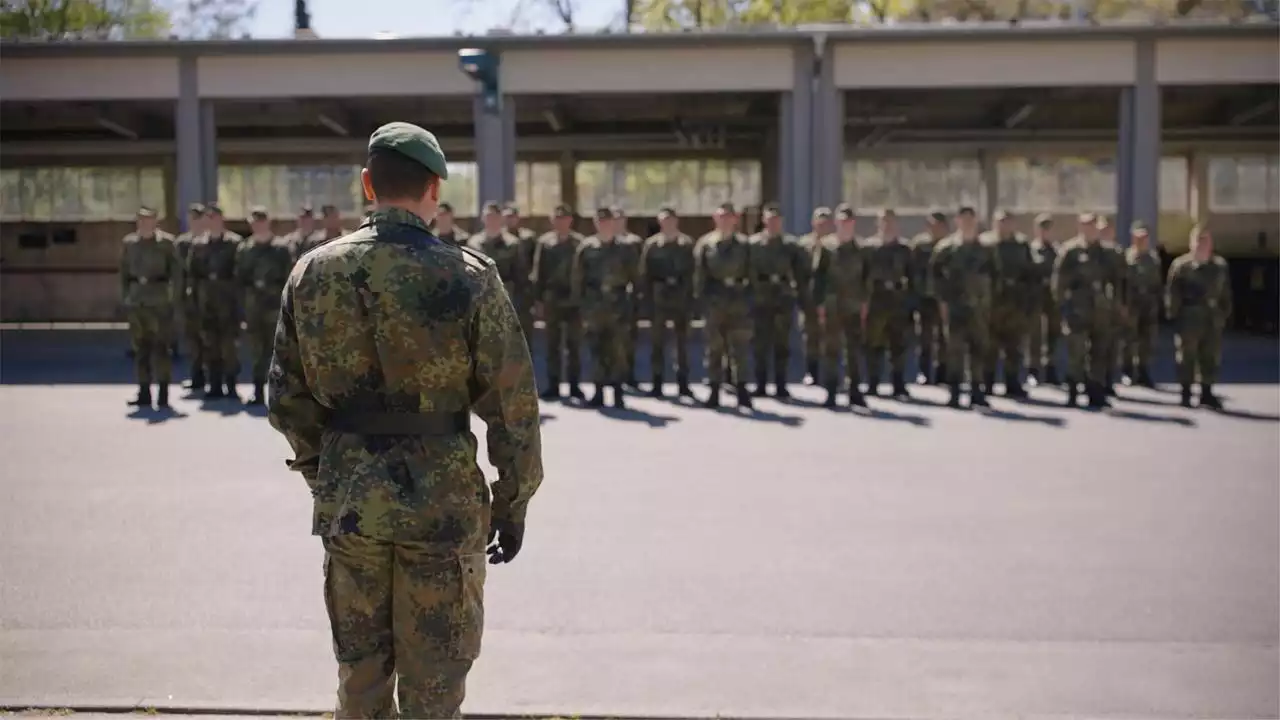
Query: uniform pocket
468	613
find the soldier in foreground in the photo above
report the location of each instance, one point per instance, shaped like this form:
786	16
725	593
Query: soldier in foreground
666	280
931	339
445	229
553	294
1046	320
888	289
262	265
1014	294
186	299
722	267
401	505
779	273
1082	276
603	270
839	294
212	269
528	242
822	226
963	272
1144	288
149	280
1198	299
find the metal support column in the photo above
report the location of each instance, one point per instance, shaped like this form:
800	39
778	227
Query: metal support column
509	149
1124	166
1146	127
569	180
795	142
208	151
990	187
827	139
190	179
495	151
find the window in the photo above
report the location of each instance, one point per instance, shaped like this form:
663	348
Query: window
1057	184
913	185
537	188
80	194
694	187
1174	179
1244	183
462	189
284	189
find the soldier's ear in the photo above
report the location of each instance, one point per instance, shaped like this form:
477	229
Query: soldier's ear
367	184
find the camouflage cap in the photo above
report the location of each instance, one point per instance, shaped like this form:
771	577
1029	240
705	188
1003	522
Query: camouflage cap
562	210
966	210
1087	218
617	211
1044	220
509	209
771	210
886	213
1138	227
212	208
605	213
726	208
1002	215
196	208
822	213
938	215
331	209
491	207
666	211
414	143
259	212
1103	222
844	211
146	212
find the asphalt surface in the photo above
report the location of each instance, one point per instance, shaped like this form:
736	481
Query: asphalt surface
912	562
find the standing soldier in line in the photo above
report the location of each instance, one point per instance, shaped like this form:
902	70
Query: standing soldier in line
810	243
553	292
1144	289
1046	321
888	289
212	267
388	340
964	272
1082	279
1014	294
149	280
528	240
504	249
635	244
1198	299
186	295
1116	295
332	220
722	270
931	338
445	229
778	276
262	266
603	272
306	235
666	279
839	294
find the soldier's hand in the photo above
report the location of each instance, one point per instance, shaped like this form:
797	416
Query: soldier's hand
505	539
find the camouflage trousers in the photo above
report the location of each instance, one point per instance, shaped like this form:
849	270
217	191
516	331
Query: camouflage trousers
564	341
191	335
1138	338
220	331
931	336
728	338
1198	342
260	333
888	326
630	338
607	339
406	623
968	339
1090	349
1008	333
678	316
812	335
151	333
772	334
1045	331
843	332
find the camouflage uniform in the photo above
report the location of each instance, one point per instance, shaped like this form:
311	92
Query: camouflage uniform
839	289
509	256
1084	285
963	274
1046	320
456	237
777	276
528	243
300	244
666	279
261	269
388	339
1119	314
888	290
810	244
1014	294
212	268
149	281
635	247
931	336
553	287
722	267
190	310
1198	299
603	271
1144	289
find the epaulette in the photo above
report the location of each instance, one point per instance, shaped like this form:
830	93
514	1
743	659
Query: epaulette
476	256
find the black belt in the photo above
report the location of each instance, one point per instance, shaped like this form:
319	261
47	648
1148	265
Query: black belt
400	423
145	280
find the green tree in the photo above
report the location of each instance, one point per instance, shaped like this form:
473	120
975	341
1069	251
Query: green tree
100	19
212	19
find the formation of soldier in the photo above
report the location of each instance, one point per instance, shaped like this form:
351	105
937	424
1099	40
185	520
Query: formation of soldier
955	300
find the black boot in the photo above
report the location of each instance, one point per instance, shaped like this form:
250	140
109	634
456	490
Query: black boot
259	397
1073	393
1012	387
196	383
552	391
900	387
597	397
780	390
954	401
761	385
978	397
143	398
811	372
231	388
1208	399
575	390
1050	374
713	399
830	402
215	390
873	386
1144	377
1109	385
162	396
656	390
1186	395
631	378
618	402
989	383
856	398
682	385
744	398
940	374
1097	395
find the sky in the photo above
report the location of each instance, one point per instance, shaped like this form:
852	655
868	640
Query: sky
417	18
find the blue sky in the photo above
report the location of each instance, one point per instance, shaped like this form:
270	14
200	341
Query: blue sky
409	18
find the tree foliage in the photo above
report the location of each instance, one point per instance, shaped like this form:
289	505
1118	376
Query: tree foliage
212	19
96	19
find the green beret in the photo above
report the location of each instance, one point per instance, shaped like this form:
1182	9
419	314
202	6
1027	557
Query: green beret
414	143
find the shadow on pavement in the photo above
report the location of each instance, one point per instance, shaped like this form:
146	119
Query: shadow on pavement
1013	416
1130	399
223	406
155	416
1149	417
875	413
631	414
1247	415
759	415
544	418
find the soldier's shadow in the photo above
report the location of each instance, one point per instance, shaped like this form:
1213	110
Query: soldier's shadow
634	414
800	402
1012	416
1246	415
544	418
155	416
223	406
256	410
1150	417
877	413
1129	398
758	415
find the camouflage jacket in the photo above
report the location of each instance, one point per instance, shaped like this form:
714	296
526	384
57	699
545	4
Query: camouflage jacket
603	272
963	274
779	268
1044	254
261	269
456	236
553	267
922	247
840	274
182	249
1198	291
1144	284
888	267
722	266
1085	278
505	252
301	243
391	319
666	269
149	273
1017	282
211	269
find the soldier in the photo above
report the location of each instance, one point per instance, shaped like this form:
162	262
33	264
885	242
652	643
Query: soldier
186	296
963	271
1143	288
332	220
603	272
528	246
839	294
666	279
888	289
149	280
1198	299
635	244
388	340
505	251
1119	310
212	268
722	269
306	235
1046	321
778	277
1014	294
262	266
445	229
553	294
931	338
810	243
1083	286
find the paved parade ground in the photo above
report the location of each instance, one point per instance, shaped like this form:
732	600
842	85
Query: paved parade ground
910	562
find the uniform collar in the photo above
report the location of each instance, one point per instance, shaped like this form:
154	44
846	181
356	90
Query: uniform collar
395	216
